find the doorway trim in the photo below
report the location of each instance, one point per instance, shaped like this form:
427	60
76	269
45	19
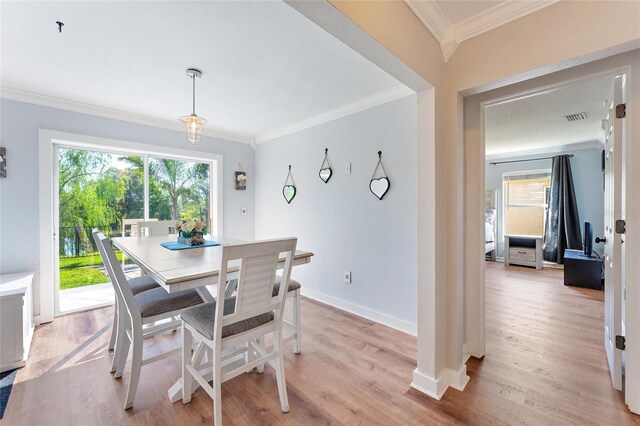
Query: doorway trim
49	140
475	302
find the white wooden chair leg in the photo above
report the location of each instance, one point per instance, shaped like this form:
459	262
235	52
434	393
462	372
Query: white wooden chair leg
187	380
260	368
249	356
114	327
279	367
217	389
136	366
118	345
122	351
297	323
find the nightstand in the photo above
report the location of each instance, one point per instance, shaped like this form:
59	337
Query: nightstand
524	250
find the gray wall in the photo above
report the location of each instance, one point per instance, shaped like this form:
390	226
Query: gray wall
20	123
586	166
342	222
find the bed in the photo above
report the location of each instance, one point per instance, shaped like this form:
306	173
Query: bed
490	224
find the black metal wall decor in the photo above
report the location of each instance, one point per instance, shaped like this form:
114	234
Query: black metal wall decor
289	189
3	162
325	168
379	186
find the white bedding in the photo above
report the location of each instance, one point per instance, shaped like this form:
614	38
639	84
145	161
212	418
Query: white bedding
489	230
488	233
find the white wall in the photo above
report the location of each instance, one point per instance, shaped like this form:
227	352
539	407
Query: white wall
342	222
586	166
20	124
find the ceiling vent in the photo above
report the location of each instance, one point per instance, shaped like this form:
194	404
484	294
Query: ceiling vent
576	117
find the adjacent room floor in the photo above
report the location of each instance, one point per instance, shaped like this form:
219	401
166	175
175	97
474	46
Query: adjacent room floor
545	364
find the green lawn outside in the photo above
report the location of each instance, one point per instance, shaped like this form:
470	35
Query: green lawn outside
80	277
78	271
91	260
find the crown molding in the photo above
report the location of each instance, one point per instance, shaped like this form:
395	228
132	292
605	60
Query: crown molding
546	151
497	16
84	108
448	47
348	109
450	36
431	17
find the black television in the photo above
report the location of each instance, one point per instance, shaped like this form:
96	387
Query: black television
588	239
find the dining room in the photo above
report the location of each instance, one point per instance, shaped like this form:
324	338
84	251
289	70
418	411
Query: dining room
153	218
237	212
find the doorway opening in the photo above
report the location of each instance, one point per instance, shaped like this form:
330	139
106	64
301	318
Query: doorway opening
549	168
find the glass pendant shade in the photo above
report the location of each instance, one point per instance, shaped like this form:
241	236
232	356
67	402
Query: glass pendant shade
194	127
193	122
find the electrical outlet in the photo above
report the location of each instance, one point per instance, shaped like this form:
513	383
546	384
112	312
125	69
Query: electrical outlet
347	277
243	211
347	168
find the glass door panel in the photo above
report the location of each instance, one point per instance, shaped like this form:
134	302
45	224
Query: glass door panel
95	190
179	190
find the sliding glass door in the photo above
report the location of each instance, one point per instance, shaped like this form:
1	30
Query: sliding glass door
179	189
112	192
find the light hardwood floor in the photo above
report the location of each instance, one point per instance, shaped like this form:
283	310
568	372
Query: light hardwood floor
545	365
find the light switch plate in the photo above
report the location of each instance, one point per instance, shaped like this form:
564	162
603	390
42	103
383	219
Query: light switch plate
347	168
347	277
243	211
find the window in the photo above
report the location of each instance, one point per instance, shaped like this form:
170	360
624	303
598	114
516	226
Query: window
526	197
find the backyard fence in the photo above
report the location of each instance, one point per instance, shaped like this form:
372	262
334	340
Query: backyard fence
76	241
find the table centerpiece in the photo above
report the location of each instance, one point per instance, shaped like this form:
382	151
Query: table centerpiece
191	232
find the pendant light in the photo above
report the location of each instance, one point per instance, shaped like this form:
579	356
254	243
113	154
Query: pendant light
193	122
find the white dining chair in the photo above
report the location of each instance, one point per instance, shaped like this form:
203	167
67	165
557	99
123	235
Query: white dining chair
293	293
156	227
147	307
137	285
240	321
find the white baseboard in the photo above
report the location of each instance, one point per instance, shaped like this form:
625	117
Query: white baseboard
458	379
429	386
465	352
435	388
362	311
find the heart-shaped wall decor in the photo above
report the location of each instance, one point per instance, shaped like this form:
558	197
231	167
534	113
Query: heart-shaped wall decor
379	186
289	191
325	174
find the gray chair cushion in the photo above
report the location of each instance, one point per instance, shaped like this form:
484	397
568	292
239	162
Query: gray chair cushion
143	283
157	301
293	285
202	318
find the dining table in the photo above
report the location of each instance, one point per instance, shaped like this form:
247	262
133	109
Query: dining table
189	268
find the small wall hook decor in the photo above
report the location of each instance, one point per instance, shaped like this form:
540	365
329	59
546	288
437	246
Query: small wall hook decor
289	189
325	168
379	186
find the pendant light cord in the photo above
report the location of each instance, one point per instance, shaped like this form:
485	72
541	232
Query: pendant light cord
193	77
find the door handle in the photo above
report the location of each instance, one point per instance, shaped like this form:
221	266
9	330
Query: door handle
601	240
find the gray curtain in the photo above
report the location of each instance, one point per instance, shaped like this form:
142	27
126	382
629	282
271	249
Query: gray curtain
562	229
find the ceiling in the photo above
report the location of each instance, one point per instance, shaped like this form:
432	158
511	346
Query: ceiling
458	11
537	123
453	21
265	66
